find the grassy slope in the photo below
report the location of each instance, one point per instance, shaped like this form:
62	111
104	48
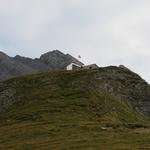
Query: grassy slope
59	111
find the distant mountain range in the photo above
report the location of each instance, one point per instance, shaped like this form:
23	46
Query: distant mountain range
18	65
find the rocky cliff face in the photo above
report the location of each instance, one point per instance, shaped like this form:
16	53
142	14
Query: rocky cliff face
18	65
124	85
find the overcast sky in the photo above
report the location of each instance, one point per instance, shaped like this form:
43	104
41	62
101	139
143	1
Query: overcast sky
106	32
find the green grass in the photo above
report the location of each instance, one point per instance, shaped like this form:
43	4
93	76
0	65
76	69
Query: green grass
62	111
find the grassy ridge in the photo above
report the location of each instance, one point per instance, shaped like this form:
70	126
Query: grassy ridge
62	110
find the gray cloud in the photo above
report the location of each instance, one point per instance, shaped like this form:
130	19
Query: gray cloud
109	32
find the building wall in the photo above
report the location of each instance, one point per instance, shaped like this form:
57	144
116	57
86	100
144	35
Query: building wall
69	67
73	67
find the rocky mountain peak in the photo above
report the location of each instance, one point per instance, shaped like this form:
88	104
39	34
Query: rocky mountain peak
57	58
3	55
20	65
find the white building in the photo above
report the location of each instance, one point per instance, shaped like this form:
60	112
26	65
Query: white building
73	66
